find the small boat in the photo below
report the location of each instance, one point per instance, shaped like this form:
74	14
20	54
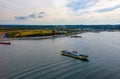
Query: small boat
5	42
75	36
74	54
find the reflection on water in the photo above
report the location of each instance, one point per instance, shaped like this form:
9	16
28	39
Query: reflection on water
42	59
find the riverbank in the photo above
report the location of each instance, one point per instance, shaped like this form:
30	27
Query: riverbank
37	38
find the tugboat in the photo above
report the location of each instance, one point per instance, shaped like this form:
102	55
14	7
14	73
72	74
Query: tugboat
74	54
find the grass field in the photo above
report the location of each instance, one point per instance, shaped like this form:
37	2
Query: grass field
25	33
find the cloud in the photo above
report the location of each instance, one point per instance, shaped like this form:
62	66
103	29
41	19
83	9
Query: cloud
31	16
105	5
81	4
59	11
40	16
21	17
108	9
81	12
42	13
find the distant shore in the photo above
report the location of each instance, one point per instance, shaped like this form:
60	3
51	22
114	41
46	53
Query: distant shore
46	33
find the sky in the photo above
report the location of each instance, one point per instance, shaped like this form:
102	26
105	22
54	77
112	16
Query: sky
59	12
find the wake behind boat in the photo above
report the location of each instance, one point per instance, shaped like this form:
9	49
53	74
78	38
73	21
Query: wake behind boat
74	54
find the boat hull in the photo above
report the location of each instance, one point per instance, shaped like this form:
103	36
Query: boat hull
77	57
66	54
7	43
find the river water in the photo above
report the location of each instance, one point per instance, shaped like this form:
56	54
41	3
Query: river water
42	59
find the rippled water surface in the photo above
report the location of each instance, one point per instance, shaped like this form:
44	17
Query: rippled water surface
41	59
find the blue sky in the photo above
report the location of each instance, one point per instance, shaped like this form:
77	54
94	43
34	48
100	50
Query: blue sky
59	12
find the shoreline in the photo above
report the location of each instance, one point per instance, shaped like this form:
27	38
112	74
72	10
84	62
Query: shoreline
37	38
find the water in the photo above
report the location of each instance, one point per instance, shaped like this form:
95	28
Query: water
41	59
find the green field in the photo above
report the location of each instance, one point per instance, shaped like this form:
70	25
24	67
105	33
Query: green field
27	33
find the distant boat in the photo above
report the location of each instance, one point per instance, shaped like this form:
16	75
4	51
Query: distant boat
74	54
4	41
75	36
